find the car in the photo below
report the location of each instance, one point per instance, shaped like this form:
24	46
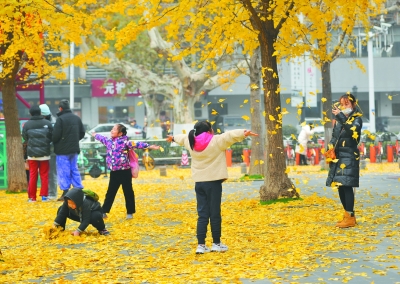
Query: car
105	130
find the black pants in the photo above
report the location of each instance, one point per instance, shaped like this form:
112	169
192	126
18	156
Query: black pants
96	219
303	159
208	196
346	195
118	178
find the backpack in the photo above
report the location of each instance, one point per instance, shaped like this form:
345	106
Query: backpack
91	194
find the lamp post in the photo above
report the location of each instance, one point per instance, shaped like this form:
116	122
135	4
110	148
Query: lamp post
354	89
382	30
72	77
371	91
371	86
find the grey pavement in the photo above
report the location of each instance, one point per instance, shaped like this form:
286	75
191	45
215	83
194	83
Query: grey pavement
377	190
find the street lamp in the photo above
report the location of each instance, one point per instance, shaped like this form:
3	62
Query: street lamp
371	86
354	90
382	30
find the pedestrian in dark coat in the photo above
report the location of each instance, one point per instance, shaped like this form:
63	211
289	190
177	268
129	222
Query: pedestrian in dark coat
345	172
37	132
68	130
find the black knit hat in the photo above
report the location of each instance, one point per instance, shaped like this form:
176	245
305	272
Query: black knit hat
64	104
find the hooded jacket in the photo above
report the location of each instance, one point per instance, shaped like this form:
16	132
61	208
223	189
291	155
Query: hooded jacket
38	133
68	130
84	207
346	136
117	151
303	138
210	163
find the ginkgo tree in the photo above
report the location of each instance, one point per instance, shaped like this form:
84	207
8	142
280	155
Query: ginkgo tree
29	28
330	28
181	90
275	27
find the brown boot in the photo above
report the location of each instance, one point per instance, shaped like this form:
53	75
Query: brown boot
344	216
348	221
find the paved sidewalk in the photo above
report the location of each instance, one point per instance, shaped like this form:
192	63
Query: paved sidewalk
378	193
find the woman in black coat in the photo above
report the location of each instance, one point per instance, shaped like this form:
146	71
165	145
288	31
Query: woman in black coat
345	172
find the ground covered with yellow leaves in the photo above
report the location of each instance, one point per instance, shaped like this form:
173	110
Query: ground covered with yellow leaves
158	245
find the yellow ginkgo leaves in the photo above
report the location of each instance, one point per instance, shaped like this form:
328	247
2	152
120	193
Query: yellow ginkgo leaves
214	112
342	166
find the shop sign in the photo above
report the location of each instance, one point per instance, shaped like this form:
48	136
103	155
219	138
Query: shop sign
111	88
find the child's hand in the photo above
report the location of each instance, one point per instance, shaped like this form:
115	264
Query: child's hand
249	133
154	147
93	134
169	138
75	233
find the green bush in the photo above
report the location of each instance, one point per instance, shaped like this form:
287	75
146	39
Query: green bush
288	130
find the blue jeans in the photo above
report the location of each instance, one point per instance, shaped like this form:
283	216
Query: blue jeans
208	196
67	171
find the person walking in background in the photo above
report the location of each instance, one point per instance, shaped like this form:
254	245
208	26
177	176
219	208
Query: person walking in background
165	123
37	132
45	110
68	130
304	137
346	171
25	149
134	124
209	170
120	171
144	131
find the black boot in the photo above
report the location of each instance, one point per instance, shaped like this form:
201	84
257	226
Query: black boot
62	196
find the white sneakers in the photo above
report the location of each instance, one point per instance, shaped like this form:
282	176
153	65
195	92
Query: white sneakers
219	247
201	249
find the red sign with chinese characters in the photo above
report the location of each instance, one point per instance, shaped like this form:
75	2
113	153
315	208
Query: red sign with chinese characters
111	88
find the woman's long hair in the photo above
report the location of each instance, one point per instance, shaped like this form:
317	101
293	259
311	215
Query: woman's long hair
199	127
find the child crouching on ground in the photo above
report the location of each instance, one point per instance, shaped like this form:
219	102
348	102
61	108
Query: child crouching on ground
82	209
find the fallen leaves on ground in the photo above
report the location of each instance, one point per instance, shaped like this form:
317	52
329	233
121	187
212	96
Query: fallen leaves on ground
158	244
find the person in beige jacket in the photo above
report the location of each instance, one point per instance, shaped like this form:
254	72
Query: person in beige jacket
209	170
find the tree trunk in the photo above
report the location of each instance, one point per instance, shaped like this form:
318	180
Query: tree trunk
15	158
257	142
327	94
276	181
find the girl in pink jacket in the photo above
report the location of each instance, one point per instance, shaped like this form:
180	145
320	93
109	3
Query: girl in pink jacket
209	170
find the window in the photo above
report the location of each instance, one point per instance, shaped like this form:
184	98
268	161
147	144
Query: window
222	109
396	109
198	111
